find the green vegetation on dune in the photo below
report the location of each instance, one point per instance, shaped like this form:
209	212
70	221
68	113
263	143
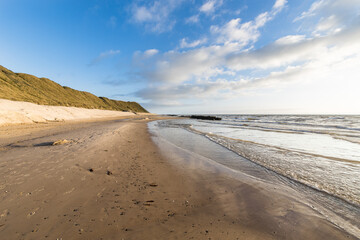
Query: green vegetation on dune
28	88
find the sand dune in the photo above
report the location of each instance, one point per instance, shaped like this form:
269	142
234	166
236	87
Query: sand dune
13	112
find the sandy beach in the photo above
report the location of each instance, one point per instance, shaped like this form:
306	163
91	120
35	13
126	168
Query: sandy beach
109	180
17	112
180	119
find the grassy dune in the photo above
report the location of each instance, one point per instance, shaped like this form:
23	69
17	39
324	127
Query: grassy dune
28	88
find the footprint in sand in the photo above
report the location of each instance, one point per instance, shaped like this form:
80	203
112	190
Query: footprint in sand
32	213
148	203
5	213
70	191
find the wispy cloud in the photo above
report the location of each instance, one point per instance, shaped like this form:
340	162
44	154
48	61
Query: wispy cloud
140	58
155	16
279	5
209	6
247	32
104	55
192	19
150	52
280	54
112	22
241	33
334	15
216	70
206	62
312	10
323	60
290	39
184	43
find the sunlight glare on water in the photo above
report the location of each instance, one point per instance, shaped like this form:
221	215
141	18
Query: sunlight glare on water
322	152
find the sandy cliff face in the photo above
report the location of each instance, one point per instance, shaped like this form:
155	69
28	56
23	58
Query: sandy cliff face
13	112
28	99
28	88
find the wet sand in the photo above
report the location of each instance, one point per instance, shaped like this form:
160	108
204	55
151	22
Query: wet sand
110	181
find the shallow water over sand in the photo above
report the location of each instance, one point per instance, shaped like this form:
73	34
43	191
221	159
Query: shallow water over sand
322	152
325	160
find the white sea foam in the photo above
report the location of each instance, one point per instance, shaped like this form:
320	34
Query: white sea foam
322	152
269	142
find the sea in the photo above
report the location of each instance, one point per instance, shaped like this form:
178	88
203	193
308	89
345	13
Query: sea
317	155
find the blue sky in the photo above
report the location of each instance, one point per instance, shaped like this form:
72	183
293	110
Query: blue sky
188	56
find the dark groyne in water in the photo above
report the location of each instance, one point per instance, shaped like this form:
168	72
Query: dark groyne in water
202	117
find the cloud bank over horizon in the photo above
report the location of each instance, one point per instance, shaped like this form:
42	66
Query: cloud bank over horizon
186	56
324	56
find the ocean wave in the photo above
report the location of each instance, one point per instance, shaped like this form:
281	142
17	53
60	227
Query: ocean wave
332	165
331	185
342	183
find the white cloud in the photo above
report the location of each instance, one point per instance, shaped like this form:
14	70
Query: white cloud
242	33
150	52
330	16
279	55
156	15
185	44
145	59
192	19
312	10
327	25
248	32
103	56
279	5
142	14
234	31
209	6
290	39
321	61
343	11
178	67
216	70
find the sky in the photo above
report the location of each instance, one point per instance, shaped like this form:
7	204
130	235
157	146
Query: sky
193	56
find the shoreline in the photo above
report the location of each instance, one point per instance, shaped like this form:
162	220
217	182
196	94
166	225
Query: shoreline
111	181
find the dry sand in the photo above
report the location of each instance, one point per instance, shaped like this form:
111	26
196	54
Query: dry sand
109	181
15	112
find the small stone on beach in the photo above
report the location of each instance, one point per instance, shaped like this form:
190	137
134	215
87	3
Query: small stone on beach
60	142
